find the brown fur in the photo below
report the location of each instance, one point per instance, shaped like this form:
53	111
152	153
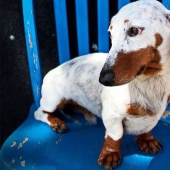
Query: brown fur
126	20
136	110
154	66
110	28
129	65
55	123
110	153
73	105
159	39
147	143
168	99
62	104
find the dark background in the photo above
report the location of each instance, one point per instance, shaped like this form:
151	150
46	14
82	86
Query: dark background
15	89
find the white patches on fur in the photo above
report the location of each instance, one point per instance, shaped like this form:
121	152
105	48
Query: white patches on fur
39	115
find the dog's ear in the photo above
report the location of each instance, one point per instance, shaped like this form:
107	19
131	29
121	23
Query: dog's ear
110	27
111	24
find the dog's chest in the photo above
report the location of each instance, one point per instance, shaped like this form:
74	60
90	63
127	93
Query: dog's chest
149	94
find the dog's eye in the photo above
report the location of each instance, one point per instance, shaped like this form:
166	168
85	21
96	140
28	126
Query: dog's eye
133	31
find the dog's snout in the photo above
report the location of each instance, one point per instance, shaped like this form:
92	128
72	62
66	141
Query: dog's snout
106	78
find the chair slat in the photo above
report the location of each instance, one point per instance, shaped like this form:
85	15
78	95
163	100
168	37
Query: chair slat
122	3
32	49
166	3
103	24
82	29
62	30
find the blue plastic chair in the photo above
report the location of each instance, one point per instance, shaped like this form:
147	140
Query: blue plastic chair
34	145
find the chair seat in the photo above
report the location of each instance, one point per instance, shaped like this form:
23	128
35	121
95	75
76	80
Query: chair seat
35	146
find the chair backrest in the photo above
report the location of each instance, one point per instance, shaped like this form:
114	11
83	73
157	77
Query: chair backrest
82	24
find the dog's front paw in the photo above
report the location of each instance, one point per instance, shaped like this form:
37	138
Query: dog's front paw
148	144
109	160
110	156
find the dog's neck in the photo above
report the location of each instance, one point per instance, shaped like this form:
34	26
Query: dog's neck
166	68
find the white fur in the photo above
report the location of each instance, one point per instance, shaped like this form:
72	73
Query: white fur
39	115
78	79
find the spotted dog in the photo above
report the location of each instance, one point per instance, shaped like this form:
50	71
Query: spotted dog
128	88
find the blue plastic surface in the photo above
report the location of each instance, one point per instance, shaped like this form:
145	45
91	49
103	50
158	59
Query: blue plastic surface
35	146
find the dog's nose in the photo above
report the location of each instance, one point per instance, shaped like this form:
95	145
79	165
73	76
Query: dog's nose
106	78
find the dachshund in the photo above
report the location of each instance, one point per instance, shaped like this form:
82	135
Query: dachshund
128	87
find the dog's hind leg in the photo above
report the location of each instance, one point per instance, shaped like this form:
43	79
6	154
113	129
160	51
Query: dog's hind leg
90	117
44	114
147	143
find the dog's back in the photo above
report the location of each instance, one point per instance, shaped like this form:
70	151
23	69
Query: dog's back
76	80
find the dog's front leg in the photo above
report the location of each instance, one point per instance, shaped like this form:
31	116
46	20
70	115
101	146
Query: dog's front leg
110	156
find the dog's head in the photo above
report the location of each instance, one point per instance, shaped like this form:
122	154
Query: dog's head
140	36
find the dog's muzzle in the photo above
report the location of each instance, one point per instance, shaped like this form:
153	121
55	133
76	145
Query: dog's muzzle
106	78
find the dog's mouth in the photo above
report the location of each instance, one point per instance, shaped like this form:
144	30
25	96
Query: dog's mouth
141	70
128	66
